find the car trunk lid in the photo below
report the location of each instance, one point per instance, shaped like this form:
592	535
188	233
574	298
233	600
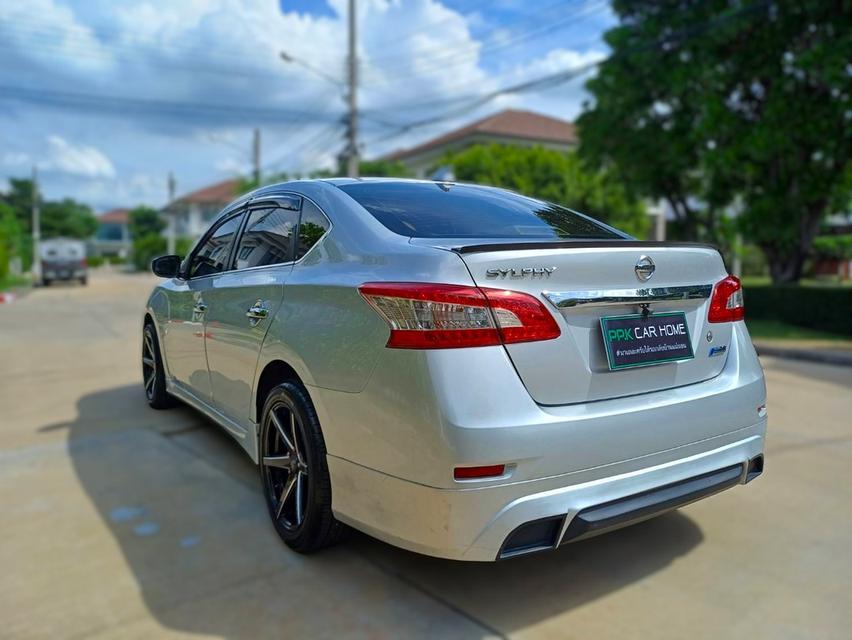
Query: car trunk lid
581	282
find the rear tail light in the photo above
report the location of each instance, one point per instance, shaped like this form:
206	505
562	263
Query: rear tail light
445	316
726	305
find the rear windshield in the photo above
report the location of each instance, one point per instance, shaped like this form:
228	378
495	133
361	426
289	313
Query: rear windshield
435	210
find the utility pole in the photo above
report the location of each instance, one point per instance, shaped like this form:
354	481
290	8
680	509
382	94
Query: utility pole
255	156
36	265
352	97
170	229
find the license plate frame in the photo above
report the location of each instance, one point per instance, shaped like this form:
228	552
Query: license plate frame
632	350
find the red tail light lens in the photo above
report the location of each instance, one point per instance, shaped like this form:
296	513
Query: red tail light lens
445	316
726	305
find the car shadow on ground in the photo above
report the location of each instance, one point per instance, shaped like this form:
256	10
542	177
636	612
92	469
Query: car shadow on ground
182	501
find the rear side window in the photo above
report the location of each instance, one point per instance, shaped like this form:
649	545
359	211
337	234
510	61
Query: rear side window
268	238
435	210
313	227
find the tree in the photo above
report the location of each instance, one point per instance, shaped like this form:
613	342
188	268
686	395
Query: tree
67	218
146	228
373	168
384	169
19	198
562	178
12	239
731	103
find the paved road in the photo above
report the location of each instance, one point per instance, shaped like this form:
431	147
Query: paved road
117	520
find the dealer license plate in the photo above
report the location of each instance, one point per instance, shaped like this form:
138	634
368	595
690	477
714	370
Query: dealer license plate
641	340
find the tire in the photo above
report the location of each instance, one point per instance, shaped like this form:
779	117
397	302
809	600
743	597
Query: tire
84	281
46	282
153	374
305	521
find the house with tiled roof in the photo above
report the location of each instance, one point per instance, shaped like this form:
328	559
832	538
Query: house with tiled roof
193	212
510	127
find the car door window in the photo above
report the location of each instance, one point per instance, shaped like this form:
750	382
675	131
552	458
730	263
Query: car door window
212	257
313	226
268	237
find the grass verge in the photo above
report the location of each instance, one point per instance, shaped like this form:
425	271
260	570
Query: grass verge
775	330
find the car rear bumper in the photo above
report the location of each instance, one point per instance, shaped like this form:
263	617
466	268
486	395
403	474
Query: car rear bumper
64	274
487	523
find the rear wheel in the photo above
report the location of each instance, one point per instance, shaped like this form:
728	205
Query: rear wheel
153	374
294	471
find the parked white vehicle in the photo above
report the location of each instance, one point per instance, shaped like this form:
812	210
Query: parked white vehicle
63	259
457	370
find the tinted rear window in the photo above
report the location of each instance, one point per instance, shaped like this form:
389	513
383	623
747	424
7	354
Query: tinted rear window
433	210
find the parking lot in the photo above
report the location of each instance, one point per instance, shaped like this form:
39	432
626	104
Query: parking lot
118	520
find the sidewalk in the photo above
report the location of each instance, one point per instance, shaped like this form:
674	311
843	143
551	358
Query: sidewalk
822	351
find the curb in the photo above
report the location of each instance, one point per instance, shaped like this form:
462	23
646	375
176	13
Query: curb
806	355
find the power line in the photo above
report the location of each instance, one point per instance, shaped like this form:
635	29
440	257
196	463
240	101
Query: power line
451	58
125	105
560	77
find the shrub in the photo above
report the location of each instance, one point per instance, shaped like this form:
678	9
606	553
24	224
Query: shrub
838	247
815	307
146	249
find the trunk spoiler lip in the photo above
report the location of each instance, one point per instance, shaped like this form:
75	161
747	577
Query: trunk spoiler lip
577	244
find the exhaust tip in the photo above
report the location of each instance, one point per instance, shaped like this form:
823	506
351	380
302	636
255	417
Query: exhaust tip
755	468
537	535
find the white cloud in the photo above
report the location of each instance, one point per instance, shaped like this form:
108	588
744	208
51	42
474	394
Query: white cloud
42	31
226	52
230	166
63	157
16	159
76	160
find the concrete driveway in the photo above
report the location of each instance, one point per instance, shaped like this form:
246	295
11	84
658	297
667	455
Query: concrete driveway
117	520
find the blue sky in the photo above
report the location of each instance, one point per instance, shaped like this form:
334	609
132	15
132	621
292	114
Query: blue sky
107	96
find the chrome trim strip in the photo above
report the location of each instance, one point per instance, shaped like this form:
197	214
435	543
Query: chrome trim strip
605	297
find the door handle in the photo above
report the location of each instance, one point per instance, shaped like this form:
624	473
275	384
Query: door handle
258	311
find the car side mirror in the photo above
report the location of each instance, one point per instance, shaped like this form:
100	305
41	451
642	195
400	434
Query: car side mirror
166	266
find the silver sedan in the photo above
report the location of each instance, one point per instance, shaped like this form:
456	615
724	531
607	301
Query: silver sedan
457	370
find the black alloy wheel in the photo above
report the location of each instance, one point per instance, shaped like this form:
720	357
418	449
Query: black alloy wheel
153	374
294	471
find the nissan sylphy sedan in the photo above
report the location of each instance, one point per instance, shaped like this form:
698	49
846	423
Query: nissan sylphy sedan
454	369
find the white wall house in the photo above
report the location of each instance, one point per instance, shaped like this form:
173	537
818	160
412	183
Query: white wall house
193	212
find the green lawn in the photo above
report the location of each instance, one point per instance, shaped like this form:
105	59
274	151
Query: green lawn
775	330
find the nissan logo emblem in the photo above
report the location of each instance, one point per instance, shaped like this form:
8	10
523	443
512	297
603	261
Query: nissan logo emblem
644	268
